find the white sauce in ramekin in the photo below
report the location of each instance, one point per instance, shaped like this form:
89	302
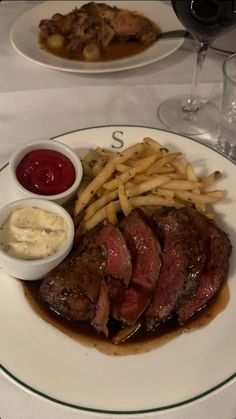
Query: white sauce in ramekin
32	233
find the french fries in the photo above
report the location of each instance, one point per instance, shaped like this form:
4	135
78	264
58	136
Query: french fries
145	175
103	176
130	173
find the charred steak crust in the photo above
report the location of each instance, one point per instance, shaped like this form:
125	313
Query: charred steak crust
127	305
72	288
218	249
183	259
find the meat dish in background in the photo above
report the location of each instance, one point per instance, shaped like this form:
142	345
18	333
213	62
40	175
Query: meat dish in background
97	32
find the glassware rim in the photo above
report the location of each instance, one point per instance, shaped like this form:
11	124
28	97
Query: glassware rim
224	68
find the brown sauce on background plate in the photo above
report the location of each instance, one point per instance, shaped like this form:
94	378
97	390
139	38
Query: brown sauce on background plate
114	51
140	342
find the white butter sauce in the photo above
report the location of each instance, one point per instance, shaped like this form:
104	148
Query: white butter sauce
32	233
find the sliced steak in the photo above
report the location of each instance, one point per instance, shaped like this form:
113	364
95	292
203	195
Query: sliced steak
144	248
101	317
183	259
118	263
218	248
128	304
72	288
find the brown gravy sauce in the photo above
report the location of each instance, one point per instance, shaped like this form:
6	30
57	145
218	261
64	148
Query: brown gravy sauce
142	341
114	51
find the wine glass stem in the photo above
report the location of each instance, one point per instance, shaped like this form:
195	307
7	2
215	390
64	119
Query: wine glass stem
192	104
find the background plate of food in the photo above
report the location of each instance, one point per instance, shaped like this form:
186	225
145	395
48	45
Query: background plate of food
99	38
149	372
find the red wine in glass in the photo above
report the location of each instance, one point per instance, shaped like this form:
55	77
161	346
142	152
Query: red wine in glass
205	20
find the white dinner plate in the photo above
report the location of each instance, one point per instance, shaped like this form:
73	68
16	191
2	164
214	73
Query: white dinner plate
24	36
42	359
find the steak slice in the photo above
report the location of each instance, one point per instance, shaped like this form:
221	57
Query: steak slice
118	263
101	317
128	304
72	288
144	248
218	248
183	259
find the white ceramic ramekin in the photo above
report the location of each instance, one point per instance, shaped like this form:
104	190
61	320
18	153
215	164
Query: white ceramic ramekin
20	191
38	268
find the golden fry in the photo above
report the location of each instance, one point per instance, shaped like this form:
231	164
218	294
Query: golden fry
184	185
137	162
191	175
154	145
219	194
154	182
89	158
165	169
129	184
105	154
99	217
140	201
195	198
85	197
124	202
167	158
121	168
211	179
87	169
139	179
98	166
209	215
84	183
125	177
99	203
111	213
163	192
179	166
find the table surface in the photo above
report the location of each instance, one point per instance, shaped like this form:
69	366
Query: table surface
36	103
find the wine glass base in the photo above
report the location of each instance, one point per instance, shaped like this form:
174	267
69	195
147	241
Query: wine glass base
172	115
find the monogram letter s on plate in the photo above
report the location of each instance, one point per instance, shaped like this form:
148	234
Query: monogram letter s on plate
117	139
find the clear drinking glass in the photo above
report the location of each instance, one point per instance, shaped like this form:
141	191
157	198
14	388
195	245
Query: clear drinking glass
205	20
226	142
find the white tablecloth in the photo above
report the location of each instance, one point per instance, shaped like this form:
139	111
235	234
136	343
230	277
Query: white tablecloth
36	103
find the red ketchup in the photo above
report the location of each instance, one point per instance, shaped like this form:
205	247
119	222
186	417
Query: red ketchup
45	172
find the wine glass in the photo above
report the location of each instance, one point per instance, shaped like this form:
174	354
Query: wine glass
205	20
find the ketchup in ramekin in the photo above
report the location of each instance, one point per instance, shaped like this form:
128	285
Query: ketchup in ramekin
46	172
